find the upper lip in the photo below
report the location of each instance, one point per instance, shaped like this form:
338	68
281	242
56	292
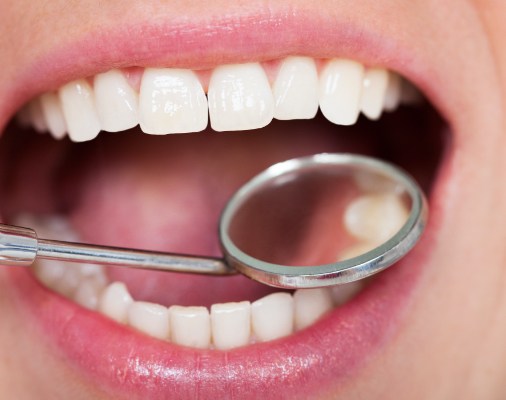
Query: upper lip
197	44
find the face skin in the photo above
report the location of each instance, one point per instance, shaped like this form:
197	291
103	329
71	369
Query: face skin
447	342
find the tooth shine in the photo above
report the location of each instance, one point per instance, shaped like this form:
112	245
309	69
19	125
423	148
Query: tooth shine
239	97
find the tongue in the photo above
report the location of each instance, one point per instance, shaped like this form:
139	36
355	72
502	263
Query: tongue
166	193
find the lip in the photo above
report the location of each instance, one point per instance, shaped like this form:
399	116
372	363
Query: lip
325	355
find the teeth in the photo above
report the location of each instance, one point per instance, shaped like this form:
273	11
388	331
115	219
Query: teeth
272	316
88	292
190	326
356	250
240	98
310	305
374	90
116	102
340	91
79	110
393	93
296	89
53	115
150	318
49	272
231	324
36	116
172	101
115	301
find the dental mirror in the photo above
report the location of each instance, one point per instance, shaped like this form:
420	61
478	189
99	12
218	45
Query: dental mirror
308	222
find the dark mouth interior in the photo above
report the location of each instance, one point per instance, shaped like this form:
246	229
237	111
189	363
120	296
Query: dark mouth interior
166	192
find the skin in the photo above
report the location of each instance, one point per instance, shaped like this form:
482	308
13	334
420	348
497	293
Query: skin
451	345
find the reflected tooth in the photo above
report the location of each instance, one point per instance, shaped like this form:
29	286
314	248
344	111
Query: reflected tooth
340	89
150	318
272	316
53	114
172	101
37	116
49	272
341	294
79	110
116	102
375	218
295	90
393	94
88	292
190	326
310	305
231	324
373	92
240	98
115	301
356	250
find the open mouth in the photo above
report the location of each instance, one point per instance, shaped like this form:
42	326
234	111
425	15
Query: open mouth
147	186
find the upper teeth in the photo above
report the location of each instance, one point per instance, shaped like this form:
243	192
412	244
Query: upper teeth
240	97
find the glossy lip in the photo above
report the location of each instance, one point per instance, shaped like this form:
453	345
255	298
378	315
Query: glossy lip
323	356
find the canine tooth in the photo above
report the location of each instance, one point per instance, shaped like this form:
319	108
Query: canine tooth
340	90
37	116
49	272
373	92
150	318
79	110
172	101
88	292
240	98
190	326
393	93
375	218
272	316
310	305
114	302
341	294
231	324
116	102
53	114
295	90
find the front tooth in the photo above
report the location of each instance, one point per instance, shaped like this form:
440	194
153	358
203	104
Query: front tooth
393	94
115	301
88	292
375	218
340	90
231	324
53	114
374	90
37	116
190	326
150	318
172	101
310	305
240	98
116	102
295	90
342	293
272	316
79	110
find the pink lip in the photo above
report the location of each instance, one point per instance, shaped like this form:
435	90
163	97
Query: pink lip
310	362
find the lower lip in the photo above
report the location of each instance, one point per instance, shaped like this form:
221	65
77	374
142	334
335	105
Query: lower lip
324	356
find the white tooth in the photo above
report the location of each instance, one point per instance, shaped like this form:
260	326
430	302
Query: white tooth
150	318
231	324
69	282
375	218
343	293
310	305
240	98
356	250
49	272
115	301
295	90
368	182
36	115
340	90
172	101
373	92
116	102
393	94
88	292
53	114
272	316
190	326
410	94
79	110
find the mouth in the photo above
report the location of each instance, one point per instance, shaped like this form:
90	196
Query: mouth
148	185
